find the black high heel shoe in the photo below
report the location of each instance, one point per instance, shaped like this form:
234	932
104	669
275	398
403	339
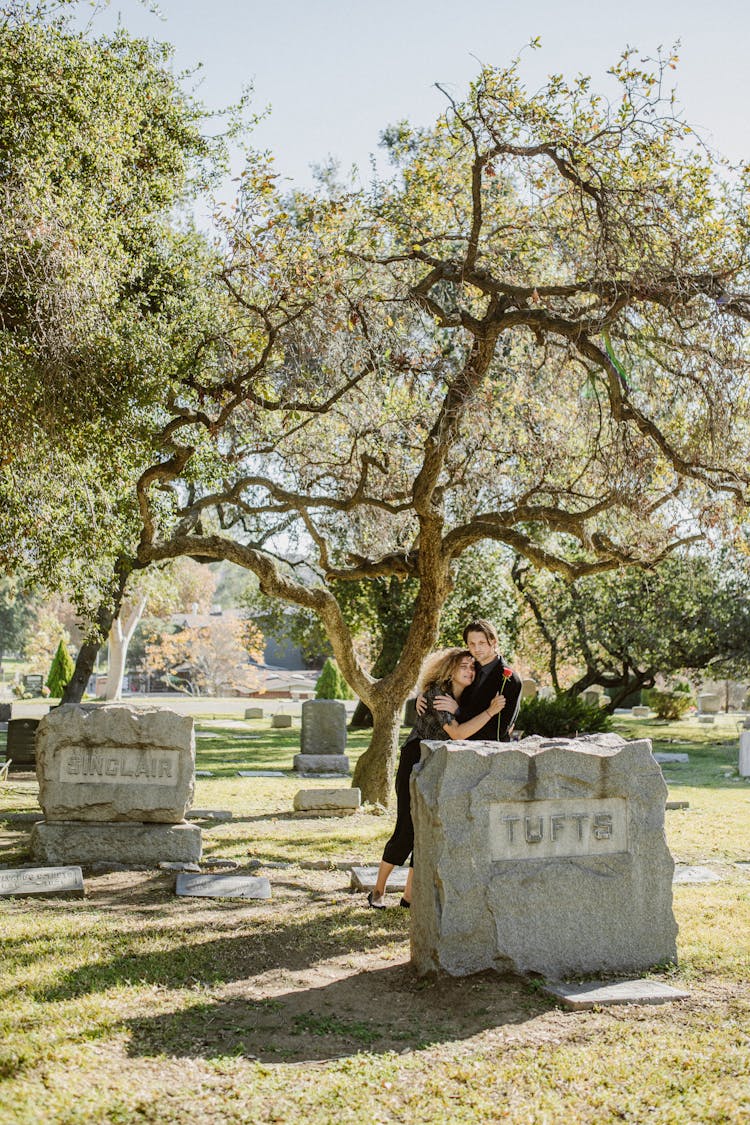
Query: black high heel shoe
405	903
375	905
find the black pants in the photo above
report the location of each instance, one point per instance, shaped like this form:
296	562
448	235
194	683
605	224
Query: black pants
399	846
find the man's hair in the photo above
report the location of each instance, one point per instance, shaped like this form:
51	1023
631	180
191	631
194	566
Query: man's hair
481	625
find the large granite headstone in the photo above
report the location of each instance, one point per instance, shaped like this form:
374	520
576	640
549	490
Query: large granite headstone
545	855
114	784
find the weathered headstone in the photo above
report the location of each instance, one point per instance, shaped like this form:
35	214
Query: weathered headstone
21	882
114	784
6	712
223	886
322	738
114	763
327	802
323	727
20	745
640	712
529	689
545	855
281	721
709	703
254	713
665	758
33	683
686	873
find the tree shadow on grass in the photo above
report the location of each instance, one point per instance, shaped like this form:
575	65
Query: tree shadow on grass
384	1009
222	947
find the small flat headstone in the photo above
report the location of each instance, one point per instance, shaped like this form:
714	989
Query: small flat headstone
192	867
706	719
206	734
678	804
243	734
688	874
254	713
663	758
325	799
364	878
591	994
208	814
46	881
223	886
260	773
204	773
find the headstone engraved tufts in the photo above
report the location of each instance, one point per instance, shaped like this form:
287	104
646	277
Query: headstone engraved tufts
544	855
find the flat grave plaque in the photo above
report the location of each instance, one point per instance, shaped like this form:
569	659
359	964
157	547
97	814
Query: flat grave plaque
260	773
204	773
208	814
688	874
664	758
223	886
44	881
364	878
590	994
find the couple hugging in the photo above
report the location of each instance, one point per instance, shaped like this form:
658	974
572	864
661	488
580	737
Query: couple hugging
466	693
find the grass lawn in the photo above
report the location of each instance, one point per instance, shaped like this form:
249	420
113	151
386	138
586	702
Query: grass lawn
135	1006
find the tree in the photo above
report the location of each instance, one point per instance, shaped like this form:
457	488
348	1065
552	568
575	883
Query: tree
534	334
61	671
621	630
180	585
16	612
213	660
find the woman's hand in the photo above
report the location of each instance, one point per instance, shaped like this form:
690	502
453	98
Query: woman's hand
445	703
495	706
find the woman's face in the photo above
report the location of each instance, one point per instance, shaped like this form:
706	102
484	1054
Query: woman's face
464	673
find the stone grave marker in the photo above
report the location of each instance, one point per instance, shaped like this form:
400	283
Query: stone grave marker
664	759
544	855
20	882
322	738
6	712
260	773
709	703
254	713
223	886
364	878
596	994
529	689
33	683
685	873
327	802
640	712
20	745
281	721
209	814
744	759
114	784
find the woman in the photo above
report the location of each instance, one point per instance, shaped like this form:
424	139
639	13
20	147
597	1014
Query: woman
446	672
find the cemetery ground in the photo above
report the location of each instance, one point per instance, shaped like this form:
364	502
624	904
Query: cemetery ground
134	1005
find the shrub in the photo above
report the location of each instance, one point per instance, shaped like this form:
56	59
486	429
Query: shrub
562	716
669	705
61	671
330	683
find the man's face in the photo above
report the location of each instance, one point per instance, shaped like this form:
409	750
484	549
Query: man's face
480	648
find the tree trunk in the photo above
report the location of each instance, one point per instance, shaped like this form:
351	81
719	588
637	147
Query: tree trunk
87	653
120	636
375	769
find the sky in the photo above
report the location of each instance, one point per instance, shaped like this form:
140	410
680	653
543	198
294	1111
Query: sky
337	72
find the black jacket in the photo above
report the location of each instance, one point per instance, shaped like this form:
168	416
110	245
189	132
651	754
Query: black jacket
477	697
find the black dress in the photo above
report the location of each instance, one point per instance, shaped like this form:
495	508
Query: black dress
427	726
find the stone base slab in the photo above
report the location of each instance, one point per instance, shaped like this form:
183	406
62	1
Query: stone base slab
77	842
591	994
321	763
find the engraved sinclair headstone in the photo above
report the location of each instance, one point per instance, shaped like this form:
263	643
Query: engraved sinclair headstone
546	855
115	763
115	783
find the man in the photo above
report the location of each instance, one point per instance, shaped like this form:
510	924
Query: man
480	637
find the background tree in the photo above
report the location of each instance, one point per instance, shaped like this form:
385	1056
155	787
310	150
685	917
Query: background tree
534	334
214	659
688	614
